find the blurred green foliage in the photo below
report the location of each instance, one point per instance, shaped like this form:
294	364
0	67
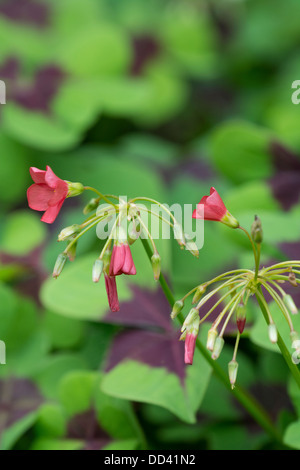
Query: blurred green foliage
163	99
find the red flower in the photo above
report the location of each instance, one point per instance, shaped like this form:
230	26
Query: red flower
121	260
214	209
189	345
48	193
112	293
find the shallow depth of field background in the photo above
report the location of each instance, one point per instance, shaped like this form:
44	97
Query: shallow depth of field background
149	98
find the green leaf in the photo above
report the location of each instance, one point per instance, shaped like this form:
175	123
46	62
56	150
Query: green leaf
116	416
9	305
240	151
126	444
31	357
135	381
132	380
22	232
51	421
48	378
14	171
56	444
190	39
75	104
91	46
38	130
96	166
294	394
57	325
252	196
76	391
14	432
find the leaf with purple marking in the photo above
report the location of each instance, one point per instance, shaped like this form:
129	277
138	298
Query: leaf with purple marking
146	363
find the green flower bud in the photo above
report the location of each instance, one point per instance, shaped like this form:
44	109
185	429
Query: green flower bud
97	270
290	304
191	317
91	206
272	330
198	294
156	265
218	346
177	307
192	248
69	232
256	230
179	235
211	339
232	372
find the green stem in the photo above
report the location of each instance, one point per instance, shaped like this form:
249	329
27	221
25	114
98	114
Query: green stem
257	261
102	196
284	350
245	399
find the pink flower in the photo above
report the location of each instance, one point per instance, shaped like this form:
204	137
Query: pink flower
48	193
121	260
112	293
214	209
189	345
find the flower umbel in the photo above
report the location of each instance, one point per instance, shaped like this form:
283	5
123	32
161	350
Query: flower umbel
232	291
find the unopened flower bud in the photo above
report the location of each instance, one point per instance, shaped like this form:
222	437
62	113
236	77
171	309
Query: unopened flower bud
179	235
69	232
59	264
211	339
232	372
241	317
256	230
91	206
192	248
191	317
218	346
290	304
272	333
97	270
156	265
198	294
75	189
177	307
